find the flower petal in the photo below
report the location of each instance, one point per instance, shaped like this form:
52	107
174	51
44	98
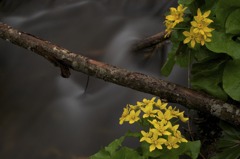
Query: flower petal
199	13
193	43
186	33
187	40
206	29
208	40
206	14
194	24
151	148
170	17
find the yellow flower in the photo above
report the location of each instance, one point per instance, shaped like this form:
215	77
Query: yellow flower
203	38
133	107
173	128
190	37
146	136
175	17
124	115
208	34
164	117
179	137
140	104
203	17
201	27
160	104
173	111
133	116
169	26
199	32
176	14
160	127
148	110
145	102
182	118
161	131
156	143
171	142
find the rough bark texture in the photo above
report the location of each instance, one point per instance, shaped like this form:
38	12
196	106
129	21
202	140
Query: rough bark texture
172	92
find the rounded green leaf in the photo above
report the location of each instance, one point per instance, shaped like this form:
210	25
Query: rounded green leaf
231	79
126	153
233	22
223	43
207	76
224	8
114	146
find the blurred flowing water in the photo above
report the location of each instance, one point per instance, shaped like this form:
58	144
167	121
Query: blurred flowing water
44	116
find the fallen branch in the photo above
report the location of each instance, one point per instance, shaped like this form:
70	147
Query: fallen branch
172	92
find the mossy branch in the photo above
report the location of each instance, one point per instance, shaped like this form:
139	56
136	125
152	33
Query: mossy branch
67	60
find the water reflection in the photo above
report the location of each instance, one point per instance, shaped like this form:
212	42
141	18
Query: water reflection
45	116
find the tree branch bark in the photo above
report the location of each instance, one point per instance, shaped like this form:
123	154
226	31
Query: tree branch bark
66	60
150	42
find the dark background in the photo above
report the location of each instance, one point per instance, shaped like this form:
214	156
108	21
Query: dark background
44	116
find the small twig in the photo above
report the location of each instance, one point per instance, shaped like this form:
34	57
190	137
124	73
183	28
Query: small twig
190	131
65	72
150	42
203	157
151	51
86	86
192	139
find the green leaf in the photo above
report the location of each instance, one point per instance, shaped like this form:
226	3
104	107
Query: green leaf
209	5
224	8
126	153
191	148
207	76
231	153
193	6
102	154
233	22
177	35
183	57
231	79
223	43
229	144
185	2
230	136
209	85
109	150
226	143
147	153
230	130
203	54
114	146
168	66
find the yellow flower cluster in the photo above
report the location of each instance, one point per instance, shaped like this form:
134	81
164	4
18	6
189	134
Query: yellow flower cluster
158	115
175	17
199	31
